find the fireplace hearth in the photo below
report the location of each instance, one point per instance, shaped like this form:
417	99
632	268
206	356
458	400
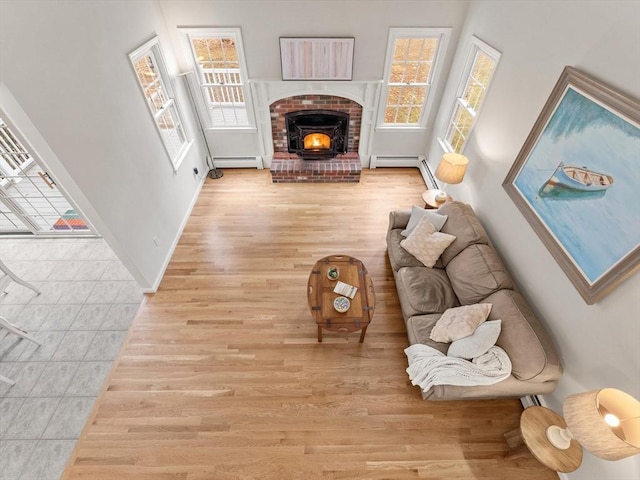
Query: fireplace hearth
317	134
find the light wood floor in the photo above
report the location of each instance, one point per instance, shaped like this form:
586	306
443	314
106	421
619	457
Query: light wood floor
221	376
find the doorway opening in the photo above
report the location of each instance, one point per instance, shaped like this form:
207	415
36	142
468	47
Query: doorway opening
31	203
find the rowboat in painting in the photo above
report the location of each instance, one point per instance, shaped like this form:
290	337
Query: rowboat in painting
579	179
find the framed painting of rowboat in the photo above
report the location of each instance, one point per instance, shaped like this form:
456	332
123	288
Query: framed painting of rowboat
577	182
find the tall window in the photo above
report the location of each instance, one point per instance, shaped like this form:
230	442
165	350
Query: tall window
413	57
478	72
153	79
221	71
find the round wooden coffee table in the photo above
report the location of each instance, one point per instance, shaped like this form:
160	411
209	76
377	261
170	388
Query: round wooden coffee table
320	296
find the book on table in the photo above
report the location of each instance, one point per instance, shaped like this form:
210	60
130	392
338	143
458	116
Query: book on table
345	289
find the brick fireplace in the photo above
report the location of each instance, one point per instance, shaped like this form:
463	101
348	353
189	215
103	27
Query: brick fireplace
289	168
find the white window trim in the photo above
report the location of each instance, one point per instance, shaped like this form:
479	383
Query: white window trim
153	46
443	35
201	102
16	148
476	45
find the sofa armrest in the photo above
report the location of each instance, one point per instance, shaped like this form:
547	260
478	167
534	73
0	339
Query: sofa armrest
399	219
507	388
529	346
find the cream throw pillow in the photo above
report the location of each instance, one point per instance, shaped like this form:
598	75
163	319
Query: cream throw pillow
425	243
459	322
478	343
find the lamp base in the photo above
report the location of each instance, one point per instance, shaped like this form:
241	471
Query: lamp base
559	437
215	173
441	196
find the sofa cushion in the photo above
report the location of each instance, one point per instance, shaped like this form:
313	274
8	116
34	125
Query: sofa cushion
463	224
425	243
426	290
478	343
398	256
477	272
419	329
460	322
522	337
417	213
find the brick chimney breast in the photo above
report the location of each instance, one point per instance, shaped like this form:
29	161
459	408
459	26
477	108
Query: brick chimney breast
279	108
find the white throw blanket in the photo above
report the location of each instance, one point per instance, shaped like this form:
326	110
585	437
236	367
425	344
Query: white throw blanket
429	367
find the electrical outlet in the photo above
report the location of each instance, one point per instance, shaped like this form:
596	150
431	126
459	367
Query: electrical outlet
195	170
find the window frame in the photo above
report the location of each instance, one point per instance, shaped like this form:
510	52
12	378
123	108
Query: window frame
476	46
153	49
442	35
201	86
12	151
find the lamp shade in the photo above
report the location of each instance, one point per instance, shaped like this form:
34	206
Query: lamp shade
606	422
452	168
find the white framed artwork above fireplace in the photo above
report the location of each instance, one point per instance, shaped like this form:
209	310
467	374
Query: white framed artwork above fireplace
266	92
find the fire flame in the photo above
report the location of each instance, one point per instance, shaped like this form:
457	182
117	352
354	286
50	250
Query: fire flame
317	141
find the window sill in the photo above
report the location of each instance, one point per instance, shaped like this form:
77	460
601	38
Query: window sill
181	156
445	146
248	129
387	128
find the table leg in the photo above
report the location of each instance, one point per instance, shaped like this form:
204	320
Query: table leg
7	380
363	333
517	447
319	333
4	323
15	278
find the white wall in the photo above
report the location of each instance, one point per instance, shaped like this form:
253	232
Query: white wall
66	63
599	344
262	22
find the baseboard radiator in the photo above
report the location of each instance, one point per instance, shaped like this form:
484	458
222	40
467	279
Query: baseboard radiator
427	174
395	160
238	162
531	401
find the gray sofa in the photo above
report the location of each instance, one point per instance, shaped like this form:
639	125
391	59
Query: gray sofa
470	271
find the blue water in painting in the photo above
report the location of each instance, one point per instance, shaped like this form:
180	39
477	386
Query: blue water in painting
595	232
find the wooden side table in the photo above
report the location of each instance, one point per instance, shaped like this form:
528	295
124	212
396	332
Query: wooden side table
429	197
532	437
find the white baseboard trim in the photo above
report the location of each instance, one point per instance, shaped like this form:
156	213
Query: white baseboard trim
174	244
395	160
238	162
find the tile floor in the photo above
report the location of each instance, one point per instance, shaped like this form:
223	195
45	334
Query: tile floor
82	316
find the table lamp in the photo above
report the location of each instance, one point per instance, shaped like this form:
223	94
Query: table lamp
451	170
605	422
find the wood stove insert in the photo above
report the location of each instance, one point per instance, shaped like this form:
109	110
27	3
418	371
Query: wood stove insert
317	134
